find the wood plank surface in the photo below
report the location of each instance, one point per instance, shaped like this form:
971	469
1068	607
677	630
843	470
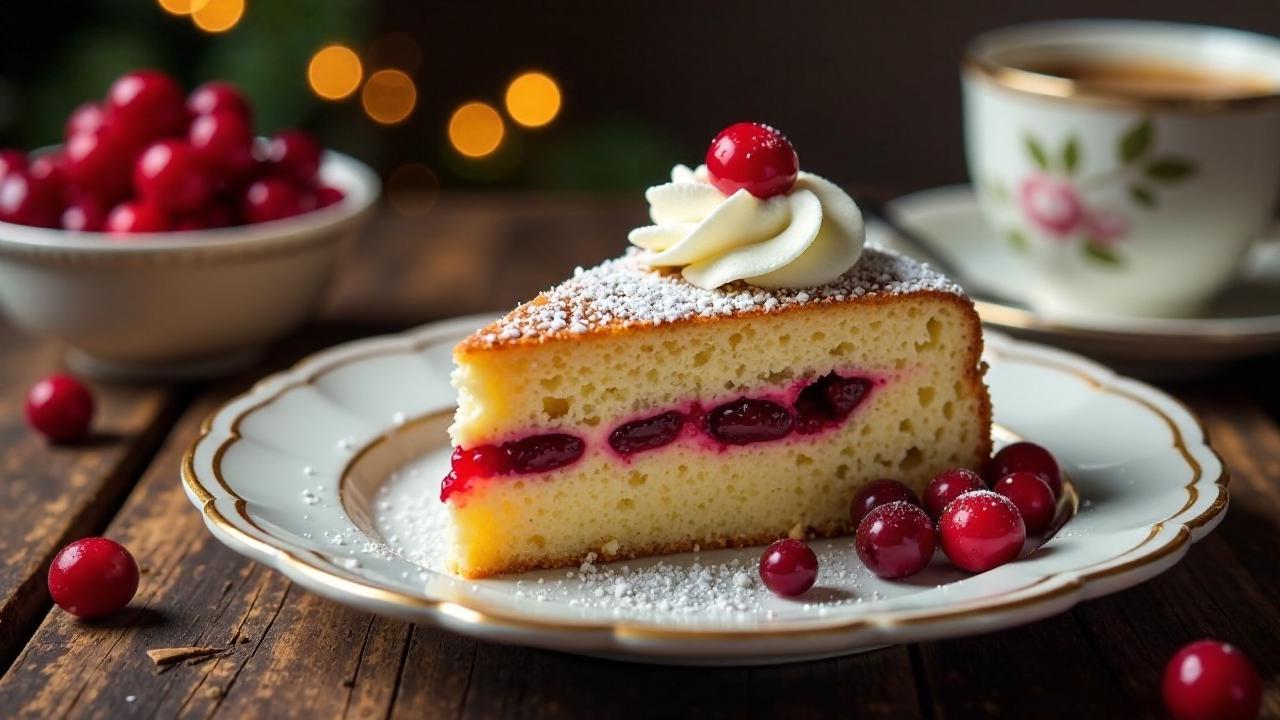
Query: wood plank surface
287	653
50	495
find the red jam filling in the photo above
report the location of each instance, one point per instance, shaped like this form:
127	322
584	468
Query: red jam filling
646	434
820	405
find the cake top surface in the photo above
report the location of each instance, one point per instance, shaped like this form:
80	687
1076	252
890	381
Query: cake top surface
624	292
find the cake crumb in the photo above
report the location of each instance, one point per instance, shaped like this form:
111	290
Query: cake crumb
796	532
610	548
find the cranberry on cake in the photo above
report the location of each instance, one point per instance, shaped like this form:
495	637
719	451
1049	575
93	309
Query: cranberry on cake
736	377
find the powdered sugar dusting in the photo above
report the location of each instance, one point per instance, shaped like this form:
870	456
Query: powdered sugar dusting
625	292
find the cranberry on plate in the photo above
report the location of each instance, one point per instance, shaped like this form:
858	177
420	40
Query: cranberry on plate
896	540
28	199
271	198
170	175
1033	498
1211	680
1025	457
218	96
93	578
877	493
981	530
223	143
12	161
295	155
84	214
788	567
100	162
60	407
947	486
752	156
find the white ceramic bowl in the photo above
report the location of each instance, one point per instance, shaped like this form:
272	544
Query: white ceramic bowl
180	304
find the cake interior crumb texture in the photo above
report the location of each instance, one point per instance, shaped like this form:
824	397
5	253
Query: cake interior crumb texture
620	342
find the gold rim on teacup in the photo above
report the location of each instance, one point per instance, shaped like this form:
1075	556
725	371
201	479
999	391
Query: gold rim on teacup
977	62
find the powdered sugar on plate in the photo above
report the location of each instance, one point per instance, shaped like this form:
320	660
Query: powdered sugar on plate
625	292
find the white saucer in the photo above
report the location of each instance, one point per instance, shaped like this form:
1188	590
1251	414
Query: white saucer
1244	322
329	472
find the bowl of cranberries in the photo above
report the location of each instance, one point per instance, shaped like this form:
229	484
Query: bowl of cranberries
164	236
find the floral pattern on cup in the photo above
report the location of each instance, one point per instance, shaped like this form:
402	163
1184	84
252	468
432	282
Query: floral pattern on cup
1056	202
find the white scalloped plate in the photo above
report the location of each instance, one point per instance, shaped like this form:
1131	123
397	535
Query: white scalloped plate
328	473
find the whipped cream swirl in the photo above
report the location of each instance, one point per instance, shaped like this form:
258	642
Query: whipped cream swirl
807	237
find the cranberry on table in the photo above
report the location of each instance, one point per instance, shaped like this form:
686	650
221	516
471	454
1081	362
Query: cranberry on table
93	578
84	214
981	530
169	175
30	200
877	493
1025	457
223	142
752	156
896	540
1211	680
60	407
269	199
217	96
87	118
947	486
128	218
145	105
1033	498
788	567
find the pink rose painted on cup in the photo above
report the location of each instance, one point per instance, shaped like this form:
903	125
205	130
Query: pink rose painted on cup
1051	204
1106	227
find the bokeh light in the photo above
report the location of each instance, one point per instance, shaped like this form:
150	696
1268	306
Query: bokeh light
334	72
533	99
413	189
476	129
389	96
217	16
395	50
182	7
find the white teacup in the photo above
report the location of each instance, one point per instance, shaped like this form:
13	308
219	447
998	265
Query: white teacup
1130	163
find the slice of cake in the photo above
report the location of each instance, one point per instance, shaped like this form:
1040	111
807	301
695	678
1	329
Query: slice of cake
636	409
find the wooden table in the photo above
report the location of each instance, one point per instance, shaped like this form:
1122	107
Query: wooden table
291	653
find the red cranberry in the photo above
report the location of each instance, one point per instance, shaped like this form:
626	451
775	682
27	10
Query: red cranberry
327	195
788	567
1211	680
212	215
295	155
93	578
829	399
269	199
86	118
896	540
145	105
540	453
481	461
1033	498
877	493
947	486
223	142
647	434
99	162
169	175
981	530
752	156
746	421
84	214
12	161
214	97
1026	457
50	166
29	200
129	218
60	407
